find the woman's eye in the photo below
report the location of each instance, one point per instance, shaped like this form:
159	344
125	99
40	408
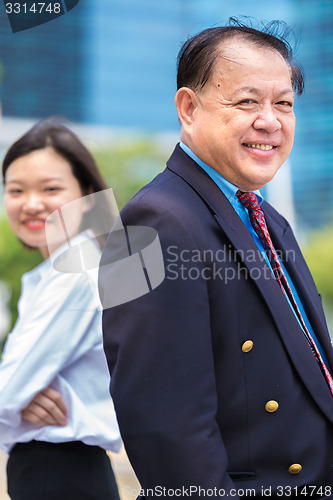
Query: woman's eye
15	191
52	188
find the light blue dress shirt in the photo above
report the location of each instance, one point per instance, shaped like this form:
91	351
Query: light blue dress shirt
229	190
57	341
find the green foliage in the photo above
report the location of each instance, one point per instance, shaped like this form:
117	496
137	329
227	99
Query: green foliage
128	167
319	257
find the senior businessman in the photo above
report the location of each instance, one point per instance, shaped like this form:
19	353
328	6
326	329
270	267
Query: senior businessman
222	375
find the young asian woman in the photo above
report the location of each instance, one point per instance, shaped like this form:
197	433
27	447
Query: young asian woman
56	415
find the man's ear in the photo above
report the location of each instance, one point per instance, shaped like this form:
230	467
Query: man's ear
186	101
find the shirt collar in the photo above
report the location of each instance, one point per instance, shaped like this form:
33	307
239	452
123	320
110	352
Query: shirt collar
44	267
228	189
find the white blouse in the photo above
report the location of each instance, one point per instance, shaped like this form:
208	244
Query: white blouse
57	341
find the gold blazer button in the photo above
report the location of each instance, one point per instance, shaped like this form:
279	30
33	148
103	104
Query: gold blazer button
247	346
271	406
295	469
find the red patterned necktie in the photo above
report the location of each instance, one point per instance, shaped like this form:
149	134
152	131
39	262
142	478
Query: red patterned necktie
250	201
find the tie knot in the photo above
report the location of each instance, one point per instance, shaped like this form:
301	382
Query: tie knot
249	200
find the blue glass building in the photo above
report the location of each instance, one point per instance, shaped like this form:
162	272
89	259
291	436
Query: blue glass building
43	68
113	63
108	62
312	159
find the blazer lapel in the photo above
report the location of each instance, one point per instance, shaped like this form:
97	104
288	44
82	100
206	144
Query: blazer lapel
283	240
232	225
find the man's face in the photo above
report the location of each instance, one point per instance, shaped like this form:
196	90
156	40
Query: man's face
242	120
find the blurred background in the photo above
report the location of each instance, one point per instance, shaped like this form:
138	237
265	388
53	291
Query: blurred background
108	67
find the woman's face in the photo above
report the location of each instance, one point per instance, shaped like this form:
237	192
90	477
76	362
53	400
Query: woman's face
36	185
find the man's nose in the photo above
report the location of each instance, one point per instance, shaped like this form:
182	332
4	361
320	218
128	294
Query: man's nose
267	120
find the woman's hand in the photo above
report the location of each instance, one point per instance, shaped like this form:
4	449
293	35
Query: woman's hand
46	408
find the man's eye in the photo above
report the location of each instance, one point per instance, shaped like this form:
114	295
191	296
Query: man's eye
288	104
247	103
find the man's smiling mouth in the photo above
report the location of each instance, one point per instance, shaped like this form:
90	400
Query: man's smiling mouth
264	147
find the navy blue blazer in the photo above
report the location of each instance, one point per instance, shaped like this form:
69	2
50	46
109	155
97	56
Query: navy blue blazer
195	361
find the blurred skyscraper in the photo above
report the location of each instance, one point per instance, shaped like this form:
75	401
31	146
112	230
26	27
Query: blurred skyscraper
109	62
312	158
113	63
43	68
